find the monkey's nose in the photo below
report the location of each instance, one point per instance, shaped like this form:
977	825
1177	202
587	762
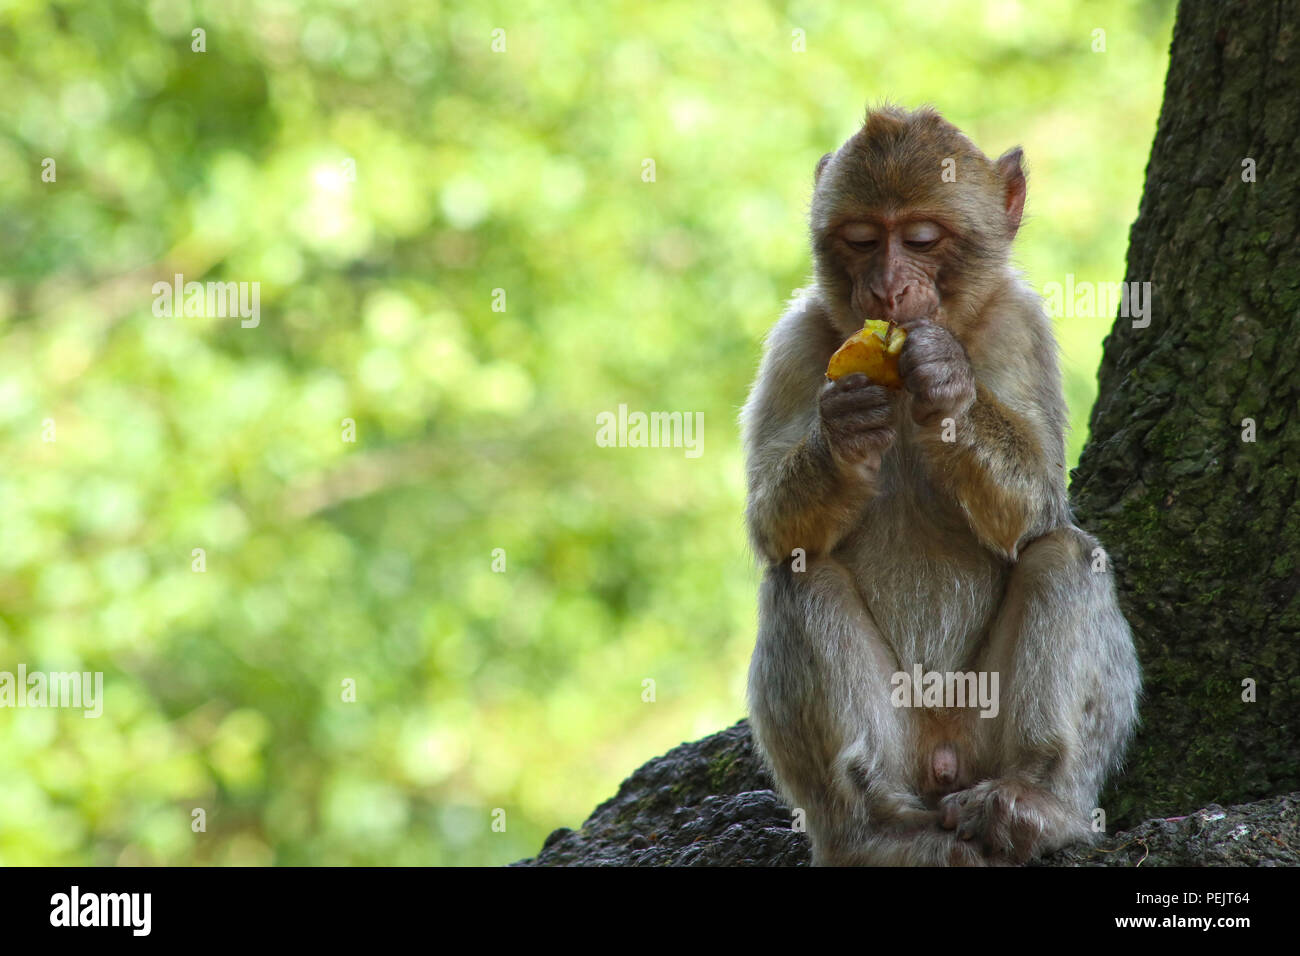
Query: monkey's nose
895	300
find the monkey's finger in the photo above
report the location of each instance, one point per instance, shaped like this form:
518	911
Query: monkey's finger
844	426
858	415
930	344
912	323
847	383
869	396
925	369
861	420
921	340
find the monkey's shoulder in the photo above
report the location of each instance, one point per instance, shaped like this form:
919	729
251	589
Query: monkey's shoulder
1012	334
805	334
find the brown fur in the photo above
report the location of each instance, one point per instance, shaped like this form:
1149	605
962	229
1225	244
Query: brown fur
956	555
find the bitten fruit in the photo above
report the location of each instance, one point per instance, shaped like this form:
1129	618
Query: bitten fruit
873	351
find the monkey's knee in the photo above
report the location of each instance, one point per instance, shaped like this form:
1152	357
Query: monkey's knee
821	578
1068	549
796	583
1062	582
823	603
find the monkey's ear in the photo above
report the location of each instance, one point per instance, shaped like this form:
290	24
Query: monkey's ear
1013	179
821	164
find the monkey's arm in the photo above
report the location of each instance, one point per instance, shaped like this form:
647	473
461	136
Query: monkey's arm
998	473
803	493
992	426
800	497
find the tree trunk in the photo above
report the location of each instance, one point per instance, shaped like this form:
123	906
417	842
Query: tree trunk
1199	516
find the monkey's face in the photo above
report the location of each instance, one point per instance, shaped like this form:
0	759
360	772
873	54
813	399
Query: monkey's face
911	221
892	266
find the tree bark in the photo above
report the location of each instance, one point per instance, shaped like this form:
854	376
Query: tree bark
1202	525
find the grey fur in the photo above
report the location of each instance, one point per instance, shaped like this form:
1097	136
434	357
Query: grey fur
896	575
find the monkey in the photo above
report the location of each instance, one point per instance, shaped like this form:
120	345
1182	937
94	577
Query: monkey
926	526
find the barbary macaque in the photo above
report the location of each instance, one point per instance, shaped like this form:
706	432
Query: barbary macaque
928	526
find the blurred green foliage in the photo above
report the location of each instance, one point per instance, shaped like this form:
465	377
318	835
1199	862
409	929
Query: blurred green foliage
326	560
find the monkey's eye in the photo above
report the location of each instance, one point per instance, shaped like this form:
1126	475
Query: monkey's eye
921	236
862	236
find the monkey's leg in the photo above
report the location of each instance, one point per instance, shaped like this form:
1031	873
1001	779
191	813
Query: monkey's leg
1068	681
819	690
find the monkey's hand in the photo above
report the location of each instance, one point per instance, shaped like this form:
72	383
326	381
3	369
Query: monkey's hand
1010	818
856	421
936	371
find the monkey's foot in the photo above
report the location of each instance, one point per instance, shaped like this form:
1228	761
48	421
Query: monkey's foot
1009	818
901	813
909	821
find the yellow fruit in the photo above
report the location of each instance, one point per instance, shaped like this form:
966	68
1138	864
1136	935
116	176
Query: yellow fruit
874	351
